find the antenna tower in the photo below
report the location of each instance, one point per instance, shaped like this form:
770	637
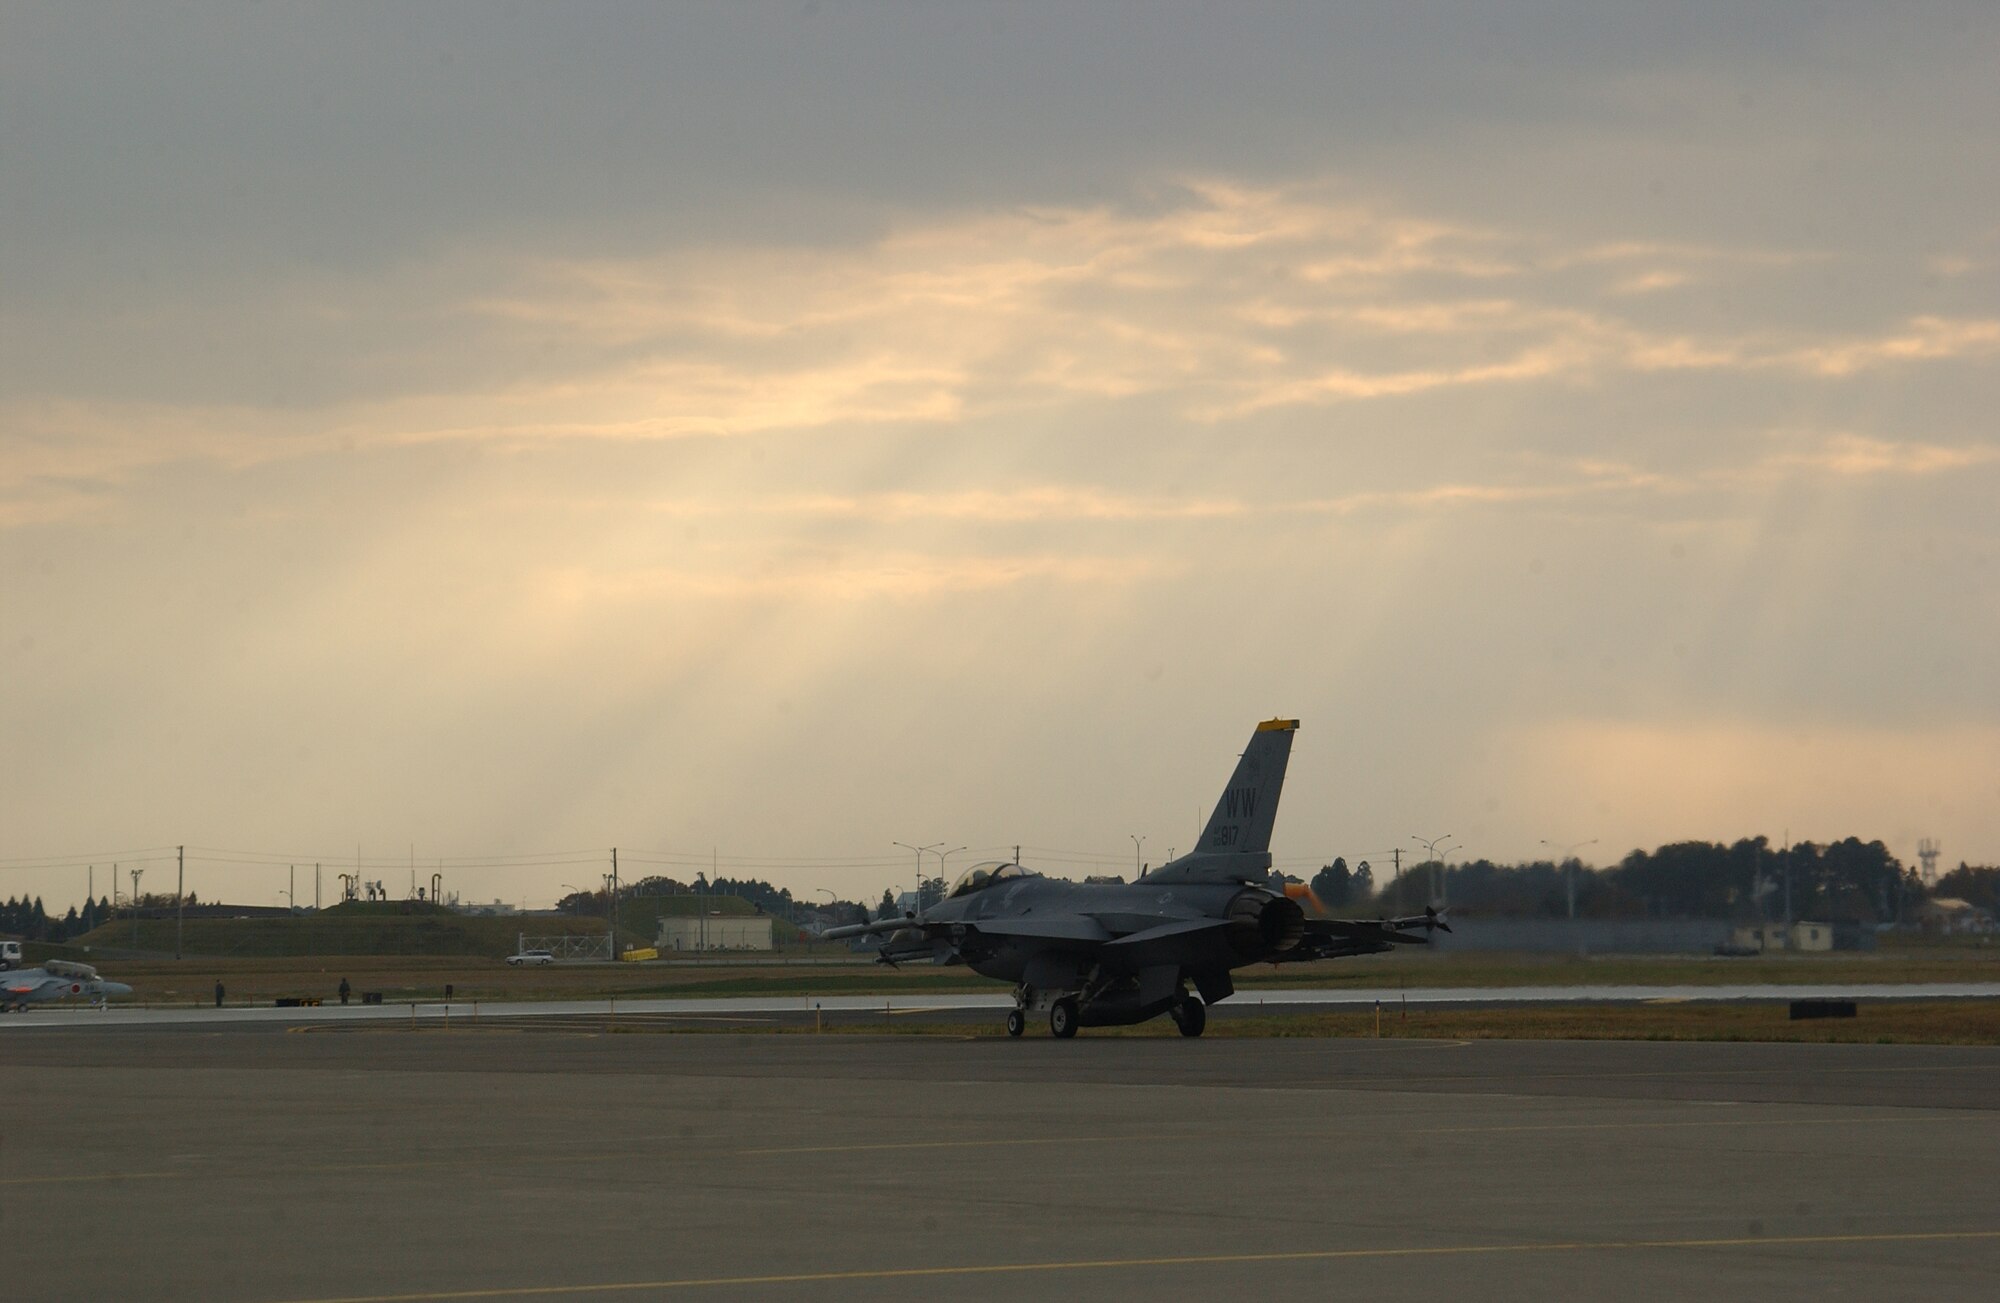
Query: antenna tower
1927	851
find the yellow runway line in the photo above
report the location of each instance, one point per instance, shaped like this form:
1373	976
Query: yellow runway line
1130	1264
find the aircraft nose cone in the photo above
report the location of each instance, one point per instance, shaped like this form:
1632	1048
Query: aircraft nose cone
117	988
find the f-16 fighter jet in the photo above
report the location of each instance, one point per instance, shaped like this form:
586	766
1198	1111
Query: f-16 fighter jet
1103	954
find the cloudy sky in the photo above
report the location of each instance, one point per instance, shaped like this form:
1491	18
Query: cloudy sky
488	434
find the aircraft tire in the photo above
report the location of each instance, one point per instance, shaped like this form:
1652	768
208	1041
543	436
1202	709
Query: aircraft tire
1062	1019
1017	1022
1191	1016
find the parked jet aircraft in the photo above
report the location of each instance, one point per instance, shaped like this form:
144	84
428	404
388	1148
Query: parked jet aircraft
56	979
1100	954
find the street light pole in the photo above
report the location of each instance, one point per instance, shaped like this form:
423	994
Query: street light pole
1568	854
1430	852
920	850
942	876
573	890
1137	842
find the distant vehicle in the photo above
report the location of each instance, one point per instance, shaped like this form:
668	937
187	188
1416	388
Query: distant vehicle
10	955
56	980
528	957
1095	955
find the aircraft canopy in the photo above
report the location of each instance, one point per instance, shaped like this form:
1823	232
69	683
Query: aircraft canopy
981	876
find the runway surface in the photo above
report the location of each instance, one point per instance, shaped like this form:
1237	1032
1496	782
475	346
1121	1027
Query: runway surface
394	1162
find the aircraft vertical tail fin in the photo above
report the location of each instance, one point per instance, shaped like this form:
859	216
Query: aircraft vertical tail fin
1236	843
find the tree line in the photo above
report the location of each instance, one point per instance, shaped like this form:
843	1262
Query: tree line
1747	880
765	897
27	919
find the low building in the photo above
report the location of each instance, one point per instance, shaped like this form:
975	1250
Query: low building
1802	935
1757	937
1952	916
714	932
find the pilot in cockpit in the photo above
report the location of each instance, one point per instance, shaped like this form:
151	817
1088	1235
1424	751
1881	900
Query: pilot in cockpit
981	876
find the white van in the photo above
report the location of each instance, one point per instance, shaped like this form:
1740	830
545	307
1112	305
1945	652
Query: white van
10	954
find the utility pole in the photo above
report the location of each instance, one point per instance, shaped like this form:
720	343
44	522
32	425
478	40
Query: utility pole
614	902
180	882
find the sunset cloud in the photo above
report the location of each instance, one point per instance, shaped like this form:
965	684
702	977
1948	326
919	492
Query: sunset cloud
834	579
1229	303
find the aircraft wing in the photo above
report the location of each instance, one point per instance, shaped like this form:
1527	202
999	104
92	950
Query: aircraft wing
1179	927
16	989
1050	927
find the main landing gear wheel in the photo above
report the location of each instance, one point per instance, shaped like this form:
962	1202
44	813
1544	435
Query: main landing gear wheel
1017	1022
1062	1020
1190	1015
